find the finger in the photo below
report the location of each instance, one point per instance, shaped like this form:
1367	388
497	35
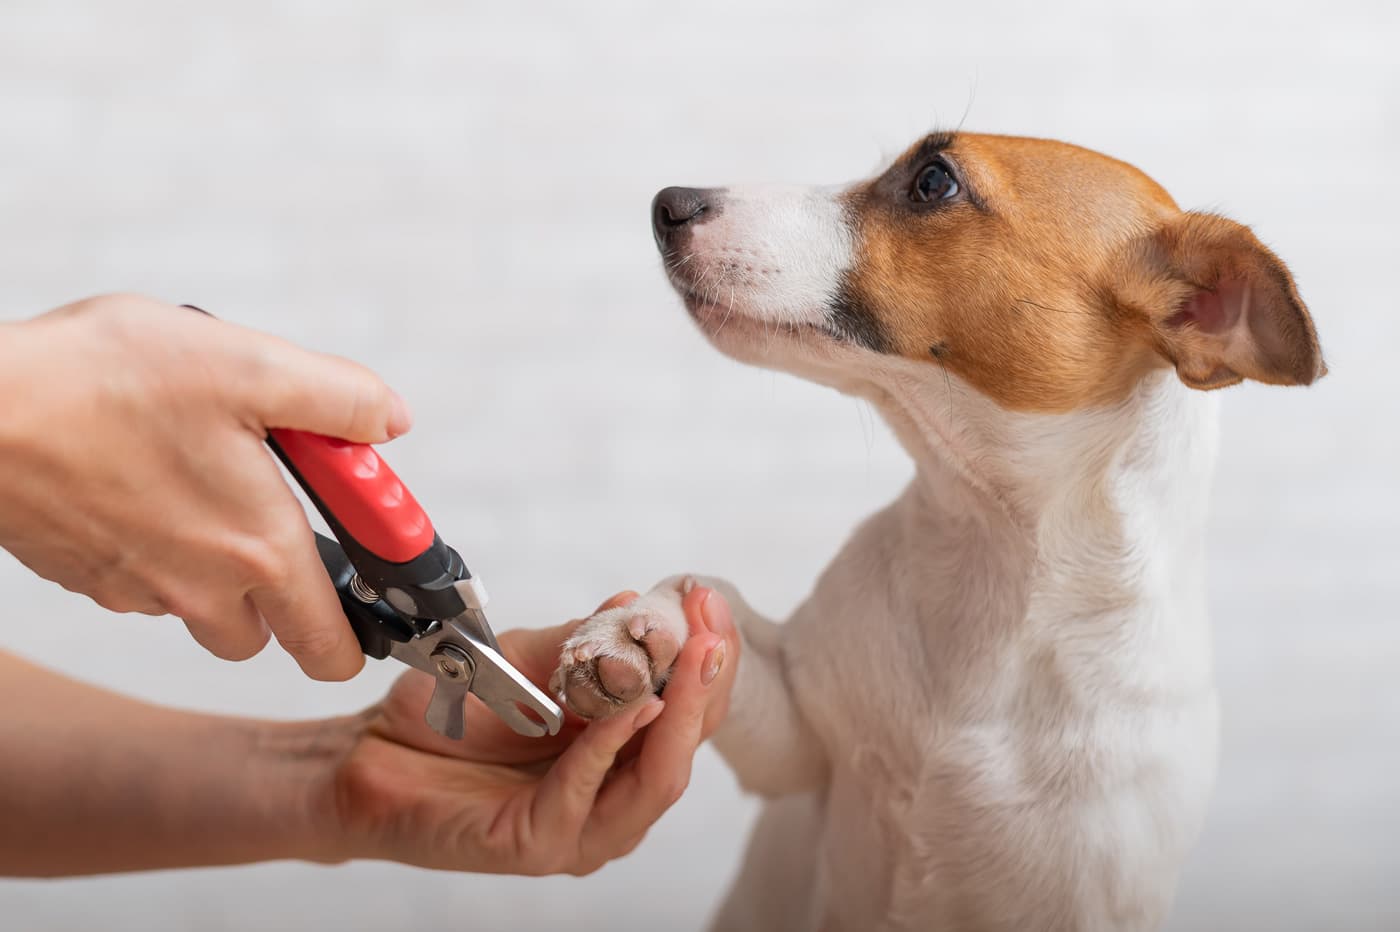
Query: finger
324	394
642	793
626	597
121	599
233	634
706	610
535	651
305	616
566	794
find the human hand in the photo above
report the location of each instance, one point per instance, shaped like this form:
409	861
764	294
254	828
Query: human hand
502	803
135	470
96	782
620	655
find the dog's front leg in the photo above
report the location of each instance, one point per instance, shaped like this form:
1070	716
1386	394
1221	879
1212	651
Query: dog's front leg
620	655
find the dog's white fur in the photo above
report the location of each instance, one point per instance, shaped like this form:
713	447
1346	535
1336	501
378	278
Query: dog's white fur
995	710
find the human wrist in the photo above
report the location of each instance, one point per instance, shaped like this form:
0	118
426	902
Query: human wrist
295	769
95	782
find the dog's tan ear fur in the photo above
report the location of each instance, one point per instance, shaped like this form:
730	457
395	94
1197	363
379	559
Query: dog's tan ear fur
1219	305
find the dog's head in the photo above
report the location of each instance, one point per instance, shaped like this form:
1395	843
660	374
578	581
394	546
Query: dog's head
1047	277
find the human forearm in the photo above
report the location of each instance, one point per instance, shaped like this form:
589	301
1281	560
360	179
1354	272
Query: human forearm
93	782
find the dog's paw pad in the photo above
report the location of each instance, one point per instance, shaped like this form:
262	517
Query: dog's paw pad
615	658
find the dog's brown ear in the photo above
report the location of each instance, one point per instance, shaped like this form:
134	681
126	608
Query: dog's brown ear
1220	306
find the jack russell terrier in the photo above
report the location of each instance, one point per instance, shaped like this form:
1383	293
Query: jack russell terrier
995	711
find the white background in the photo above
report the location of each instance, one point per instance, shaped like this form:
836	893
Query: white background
457	193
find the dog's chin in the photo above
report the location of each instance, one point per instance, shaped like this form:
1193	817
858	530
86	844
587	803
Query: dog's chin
737	332
808	351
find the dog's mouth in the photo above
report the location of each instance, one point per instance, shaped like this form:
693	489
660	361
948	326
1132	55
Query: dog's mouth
762	266
716	316
720	309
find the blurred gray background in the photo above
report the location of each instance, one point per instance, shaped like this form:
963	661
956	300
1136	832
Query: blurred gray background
456	194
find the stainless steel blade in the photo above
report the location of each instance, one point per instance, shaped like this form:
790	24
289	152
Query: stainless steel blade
447	713
507	692
479	669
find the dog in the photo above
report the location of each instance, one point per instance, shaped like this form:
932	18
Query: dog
996	710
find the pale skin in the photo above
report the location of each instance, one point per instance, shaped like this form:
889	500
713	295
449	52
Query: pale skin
146	422
95	782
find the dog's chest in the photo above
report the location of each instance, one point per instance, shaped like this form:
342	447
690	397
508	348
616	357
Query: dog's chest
963	737
905	635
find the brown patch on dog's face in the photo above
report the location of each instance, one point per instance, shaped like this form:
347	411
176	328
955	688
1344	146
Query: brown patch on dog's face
994	256
1048	277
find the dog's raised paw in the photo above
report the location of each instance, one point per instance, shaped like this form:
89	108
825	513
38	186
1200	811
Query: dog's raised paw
619	656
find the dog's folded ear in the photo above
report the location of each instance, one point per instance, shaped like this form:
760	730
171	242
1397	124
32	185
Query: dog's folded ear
1219	305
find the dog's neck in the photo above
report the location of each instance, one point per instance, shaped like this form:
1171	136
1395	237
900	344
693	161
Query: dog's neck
1104	510
1153	450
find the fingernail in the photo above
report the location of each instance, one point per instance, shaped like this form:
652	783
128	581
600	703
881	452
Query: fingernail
715	611
714	662
648	714
400	417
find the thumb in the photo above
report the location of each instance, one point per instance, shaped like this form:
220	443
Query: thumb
535	651
327	395
565	796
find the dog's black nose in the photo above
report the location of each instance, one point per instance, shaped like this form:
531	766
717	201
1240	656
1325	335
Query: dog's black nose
673	209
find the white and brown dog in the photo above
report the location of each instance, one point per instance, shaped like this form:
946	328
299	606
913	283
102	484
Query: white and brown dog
995	710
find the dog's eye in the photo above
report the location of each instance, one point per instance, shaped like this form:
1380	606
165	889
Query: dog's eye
935	183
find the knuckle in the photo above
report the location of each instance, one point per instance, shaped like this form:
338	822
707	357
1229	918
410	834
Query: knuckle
234	649
258	361
225	639
240	650
114	303
270	568
544	865
119	591
117	316
631	844
125	601
268	573
586	866
184	606
261	382
248	641
311	644
262	562
672	790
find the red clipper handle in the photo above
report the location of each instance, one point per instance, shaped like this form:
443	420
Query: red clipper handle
355	485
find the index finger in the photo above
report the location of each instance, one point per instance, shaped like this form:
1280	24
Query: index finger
566	794
642	792
324	394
